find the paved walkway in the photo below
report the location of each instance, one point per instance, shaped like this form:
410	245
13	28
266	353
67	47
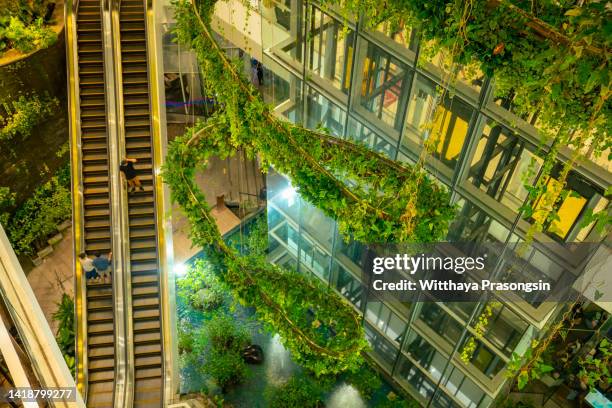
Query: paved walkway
223	177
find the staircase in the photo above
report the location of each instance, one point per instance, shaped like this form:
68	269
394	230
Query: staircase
96	200
147	336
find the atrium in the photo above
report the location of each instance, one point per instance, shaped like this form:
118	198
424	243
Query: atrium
300	203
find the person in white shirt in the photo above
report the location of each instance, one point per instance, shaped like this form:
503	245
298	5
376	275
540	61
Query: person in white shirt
88	266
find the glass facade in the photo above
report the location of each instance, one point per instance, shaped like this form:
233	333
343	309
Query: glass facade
377	86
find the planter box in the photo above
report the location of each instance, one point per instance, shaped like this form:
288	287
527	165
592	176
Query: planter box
64	225
45	251
55	239
37	261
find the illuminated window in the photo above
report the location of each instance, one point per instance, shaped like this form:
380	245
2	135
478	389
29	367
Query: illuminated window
444	126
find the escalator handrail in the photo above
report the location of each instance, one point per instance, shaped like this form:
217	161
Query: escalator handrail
115	193
163	222
78	242
124	360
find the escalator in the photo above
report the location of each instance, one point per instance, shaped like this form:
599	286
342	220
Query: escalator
96	227
143	246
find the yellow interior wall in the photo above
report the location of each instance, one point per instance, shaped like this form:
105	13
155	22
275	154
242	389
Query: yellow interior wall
440	133
568	212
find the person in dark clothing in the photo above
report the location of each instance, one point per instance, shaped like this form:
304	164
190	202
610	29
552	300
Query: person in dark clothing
127	168
260	73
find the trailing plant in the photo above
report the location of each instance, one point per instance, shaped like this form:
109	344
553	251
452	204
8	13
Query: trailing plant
65	335
594	368
480	329
320	329
299	391
24	114
550	65
531	364
372	198
39	216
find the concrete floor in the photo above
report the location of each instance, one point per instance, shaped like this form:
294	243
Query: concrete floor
235	178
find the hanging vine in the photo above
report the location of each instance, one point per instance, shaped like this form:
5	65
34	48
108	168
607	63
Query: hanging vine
321	329
550	61
372	198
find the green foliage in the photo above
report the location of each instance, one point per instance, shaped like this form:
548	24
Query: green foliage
479	331
216	348
528	372
225	334
298	391
372	198
185	338
366	381
547	59
226	368
39	216
201	286
7	201
594	368
26	112
66	330
24	37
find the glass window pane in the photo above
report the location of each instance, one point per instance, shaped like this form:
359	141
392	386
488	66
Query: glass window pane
382	348
441	322
386	321
411	376
399	32
365	135
281	29
384	86
282	90
445	129
330	49
347	284
321	113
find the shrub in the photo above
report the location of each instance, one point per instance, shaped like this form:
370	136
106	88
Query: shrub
7	201
14	33
66	329
185	338
225	367
299	391
39	215
394	401
201	286
220	343
26	112
225	334
207	299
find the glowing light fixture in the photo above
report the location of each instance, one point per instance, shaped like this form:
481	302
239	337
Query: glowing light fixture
180	269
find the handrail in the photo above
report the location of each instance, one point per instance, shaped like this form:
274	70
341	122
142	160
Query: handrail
124	352
80	298
162	205
117	238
